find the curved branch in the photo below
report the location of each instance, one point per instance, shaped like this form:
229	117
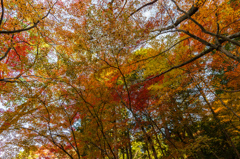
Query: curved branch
20	30
2	13
28	28
161	52
145	5
190	12
6	53
183	64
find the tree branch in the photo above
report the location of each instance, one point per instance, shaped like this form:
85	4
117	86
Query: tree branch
162	52
26	29
196	57
183	64
190	12
203	29
20	30
145	5
2	13
6	53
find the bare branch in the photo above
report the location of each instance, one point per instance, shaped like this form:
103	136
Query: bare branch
6	53
228	54
190	12
145	5
162	52
20	30
2	12
183	64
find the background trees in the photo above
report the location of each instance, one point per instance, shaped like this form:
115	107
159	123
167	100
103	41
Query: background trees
120	79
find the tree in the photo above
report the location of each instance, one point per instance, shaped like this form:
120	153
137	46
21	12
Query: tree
103	80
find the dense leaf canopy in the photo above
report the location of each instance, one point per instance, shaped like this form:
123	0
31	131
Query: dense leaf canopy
120	79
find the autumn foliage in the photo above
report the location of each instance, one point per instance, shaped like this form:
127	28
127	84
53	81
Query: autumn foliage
120	79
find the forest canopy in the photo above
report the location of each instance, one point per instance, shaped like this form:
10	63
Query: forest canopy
120	79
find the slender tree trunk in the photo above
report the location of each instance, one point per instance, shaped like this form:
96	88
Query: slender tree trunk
115	148
129	145
122	150
127	153
149	156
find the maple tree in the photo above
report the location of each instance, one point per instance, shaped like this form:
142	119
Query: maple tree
120	79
